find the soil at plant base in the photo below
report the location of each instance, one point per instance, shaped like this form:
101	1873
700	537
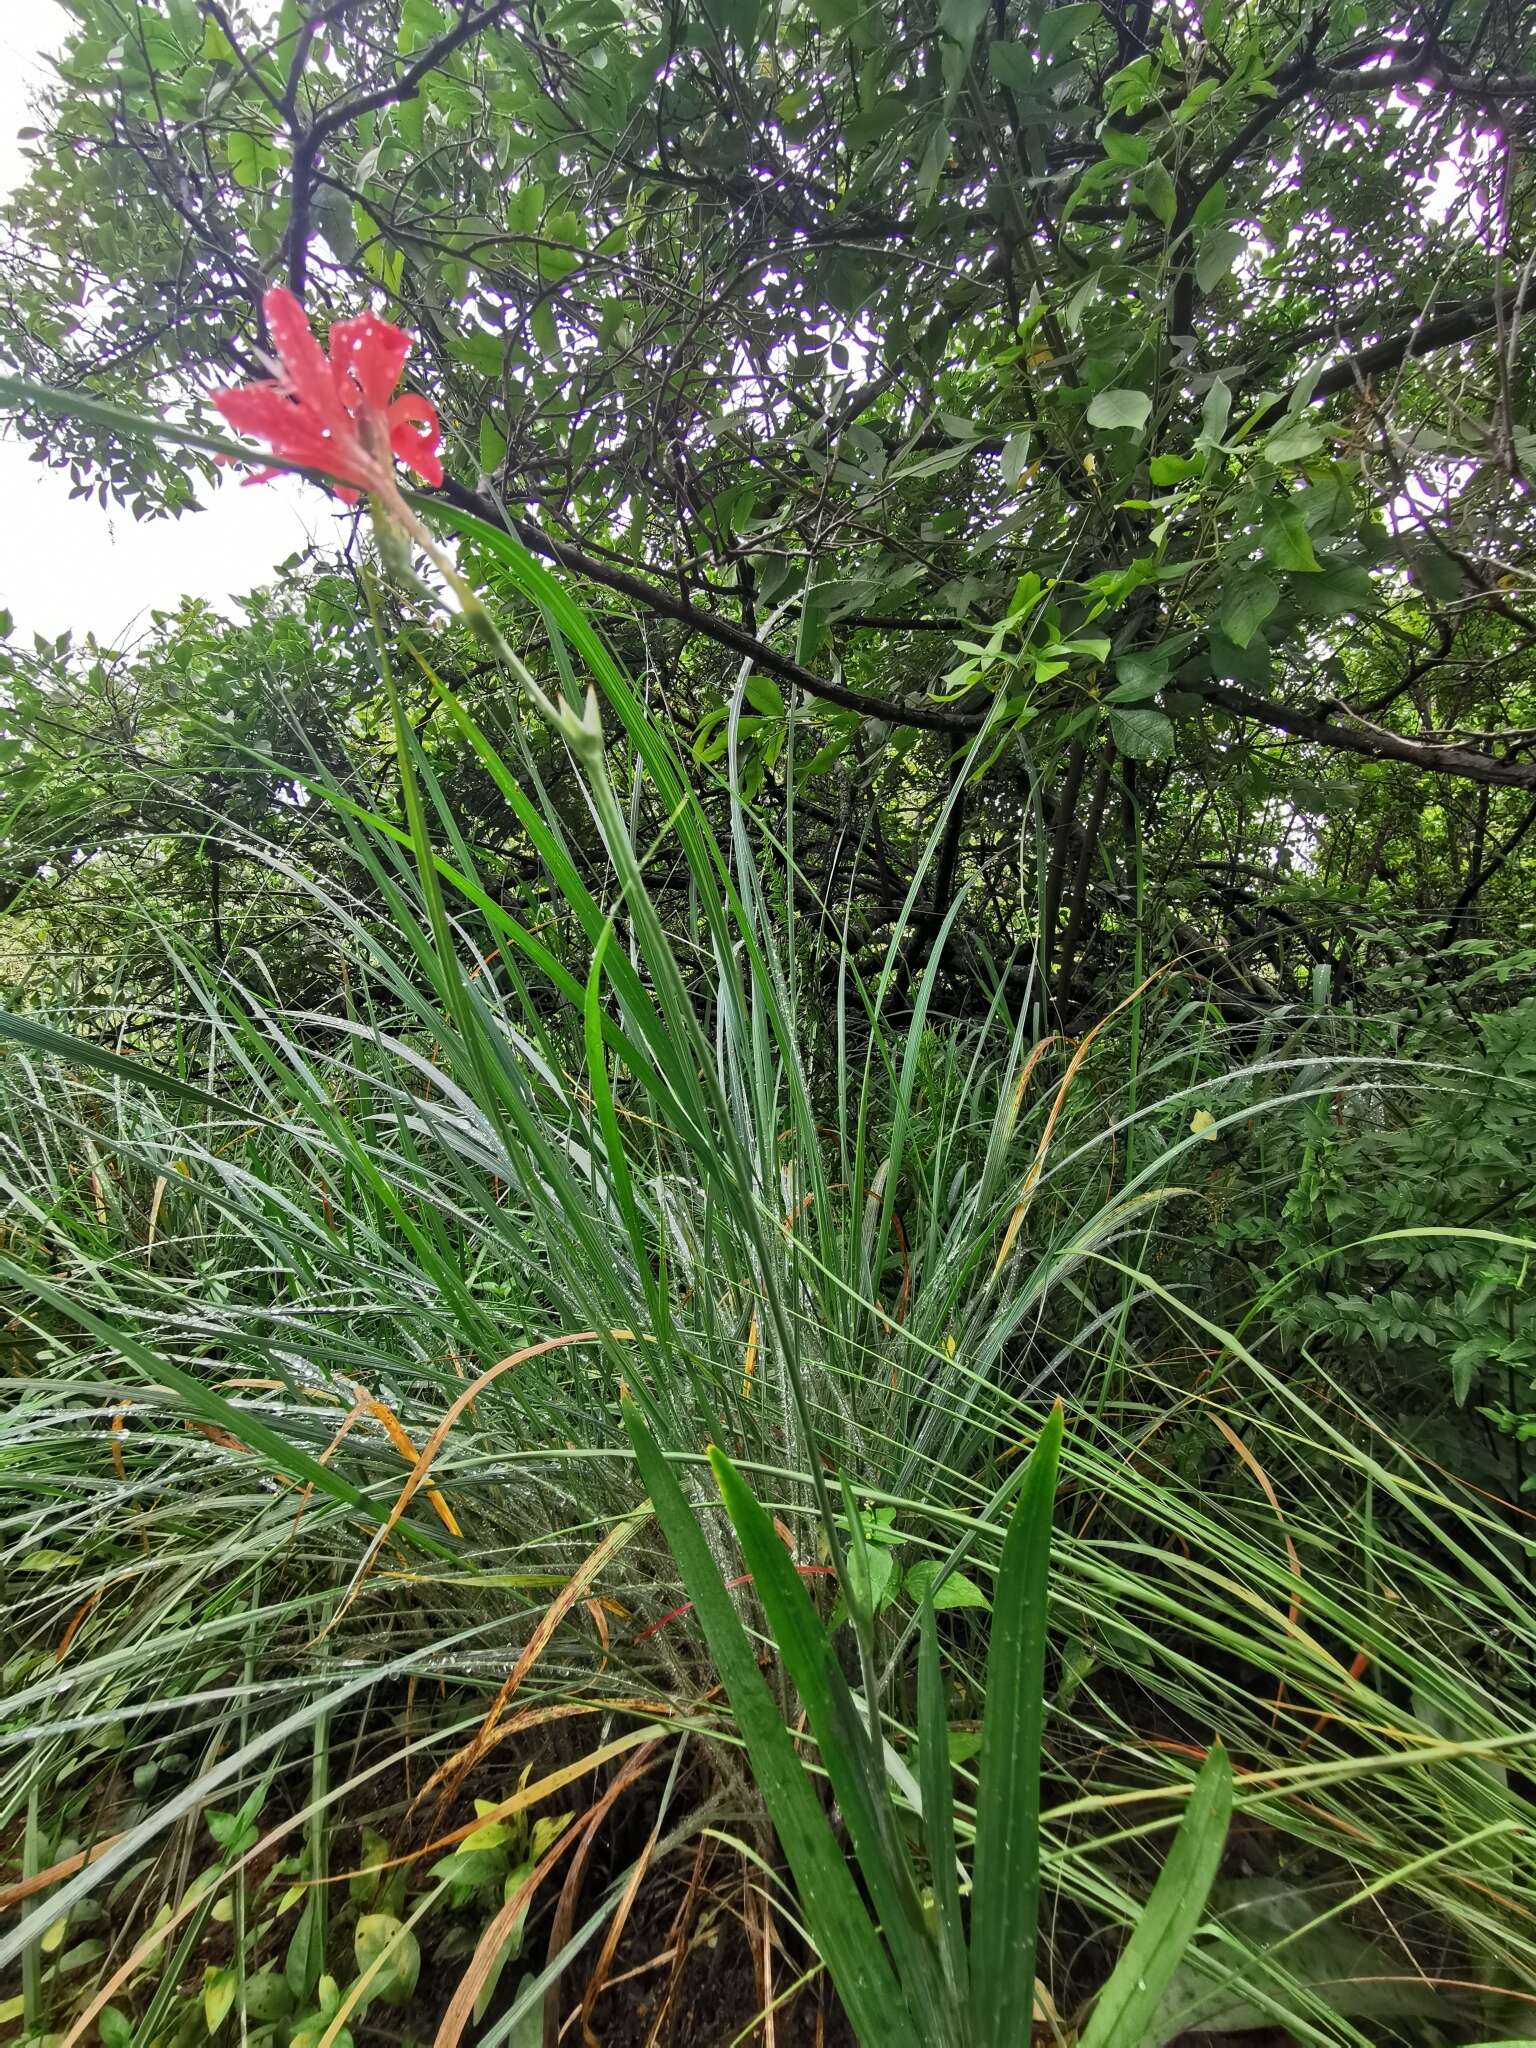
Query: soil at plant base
712	1995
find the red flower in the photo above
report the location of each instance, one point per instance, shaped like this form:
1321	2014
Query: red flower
334	413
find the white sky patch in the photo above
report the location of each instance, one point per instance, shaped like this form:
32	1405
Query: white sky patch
67	563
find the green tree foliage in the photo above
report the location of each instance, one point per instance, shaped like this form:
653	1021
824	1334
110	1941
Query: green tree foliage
1150	388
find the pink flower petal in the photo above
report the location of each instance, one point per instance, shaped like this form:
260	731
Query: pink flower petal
367	356
414	434
303	360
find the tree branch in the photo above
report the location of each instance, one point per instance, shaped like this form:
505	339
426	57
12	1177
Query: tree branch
1371	741
724	632
308	143
1465	323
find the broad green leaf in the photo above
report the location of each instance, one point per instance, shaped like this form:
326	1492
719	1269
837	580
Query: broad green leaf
252	159
546	332
1005	1894
388	1947
267	1997
1141	673
1246	603
220	1983
1340	587
1219	251
1435	571
1141	733
334	218
1296	441
1058	28
1120	408
1285	542
1124	2009
1124	146
492	444
1013	65
739	18
955	1591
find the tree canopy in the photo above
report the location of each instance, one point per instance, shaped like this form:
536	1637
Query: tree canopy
1126	408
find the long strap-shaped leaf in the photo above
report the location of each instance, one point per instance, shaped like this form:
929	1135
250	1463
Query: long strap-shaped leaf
841	1926
1126	2007
844	1748
936	1779
1006	1882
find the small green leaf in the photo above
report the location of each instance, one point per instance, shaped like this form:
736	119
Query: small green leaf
306	1951
1173	469
492	445
545	332
1125	146
956	1591
114	2027
764	695
1157	191
267	1997
1120	408
1015	457
1215	413
364	1882
219	1987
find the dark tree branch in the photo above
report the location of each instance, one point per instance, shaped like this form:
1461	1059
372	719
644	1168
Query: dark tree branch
1371	741
666	604
1061	840
309	142
1483	874
1424	337
1078	914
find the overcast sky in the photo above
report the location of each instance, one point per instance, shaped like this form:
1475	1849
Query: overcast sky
67	563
